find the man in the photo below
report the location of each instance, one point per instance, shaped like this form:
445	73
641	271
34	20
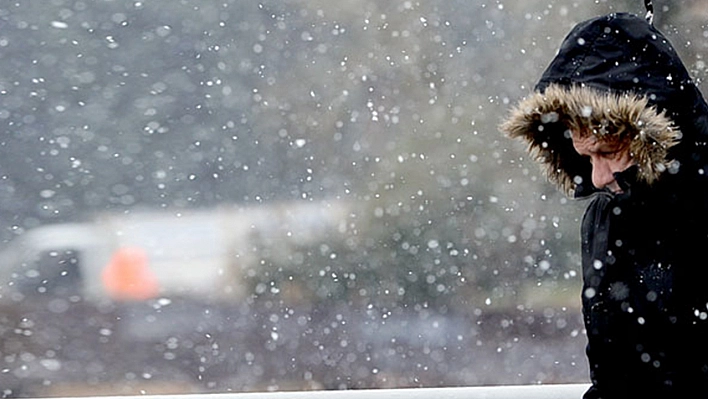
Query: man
615	118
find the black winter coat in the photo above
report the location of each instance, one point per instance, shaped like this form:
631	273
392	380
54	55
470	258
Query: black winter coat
645	269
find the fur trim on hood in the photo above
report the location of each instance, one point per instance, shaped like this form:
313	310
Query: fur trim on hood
544	121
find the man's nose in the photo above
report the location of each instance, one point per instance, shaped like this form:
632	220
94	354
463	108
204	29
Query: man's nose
602	174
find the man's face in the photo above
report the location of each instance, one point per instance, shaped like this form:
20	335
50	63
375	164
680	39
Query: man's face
606	157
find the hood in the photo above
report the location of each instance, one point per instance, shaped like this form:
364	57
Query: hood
619	78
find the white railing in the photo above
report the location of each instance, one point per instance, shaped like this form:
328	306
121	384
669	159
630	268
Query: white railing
561	391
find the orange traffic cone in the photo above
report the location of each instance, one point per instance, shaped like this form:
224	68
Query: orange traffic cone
128	276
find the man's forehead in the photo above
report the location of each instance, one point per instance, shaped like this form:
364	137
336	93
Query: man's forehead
592	141
584	139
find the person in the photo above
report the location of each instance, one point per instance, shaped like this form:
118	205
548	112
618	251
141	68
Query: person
616	119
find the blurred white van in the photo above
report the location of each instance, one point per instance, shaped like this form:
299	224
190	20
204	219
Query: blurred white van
145	254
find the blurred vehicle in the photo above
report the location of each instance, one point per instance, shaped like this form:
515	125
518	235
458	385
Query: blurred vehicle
143	255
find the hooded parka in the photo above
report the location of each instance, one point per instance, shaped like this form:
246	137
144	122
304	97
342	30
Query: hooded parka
645	267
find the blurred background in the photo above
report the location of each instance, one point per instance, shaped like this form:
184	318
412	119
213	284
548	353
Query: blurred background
230	196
